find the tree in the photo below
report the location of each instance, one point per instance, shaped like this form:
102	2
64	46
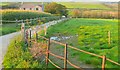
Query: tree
55	8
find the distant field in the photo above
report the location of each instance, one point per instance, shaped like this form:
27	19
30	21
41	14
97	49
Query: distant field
112	6
84	5
3	4
9	28
81	5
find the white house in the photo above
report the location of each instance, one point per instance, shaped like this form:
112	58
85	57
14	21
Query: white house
31	7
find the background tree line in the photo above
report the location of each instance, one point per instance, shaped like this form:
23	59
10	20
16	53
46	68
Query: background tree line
56	9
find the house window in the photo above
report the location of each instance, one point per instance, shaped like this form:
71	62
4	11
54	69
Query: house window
24	8
37	9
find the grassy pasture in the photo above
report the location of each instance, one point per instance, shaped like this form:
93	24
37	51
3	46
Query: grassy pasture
9	28
12	15
92	37
4	4
83	5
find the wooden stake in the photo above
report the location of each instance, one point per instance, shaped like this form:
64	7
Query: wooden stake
45	29
39	21
47	52
27	21
36	36
30	34
22	27
23	30
65	57
103	62
30	37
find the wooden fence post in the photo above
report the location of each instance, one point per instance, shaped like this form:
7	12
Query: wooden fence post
47	52
45	29
16	21
30	37
65	57
36	36
27	21
39	21
30	34
103	62
22	28
26	35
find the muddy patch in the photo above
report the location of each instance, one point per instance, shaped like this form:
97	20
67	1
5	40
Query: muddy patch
60	38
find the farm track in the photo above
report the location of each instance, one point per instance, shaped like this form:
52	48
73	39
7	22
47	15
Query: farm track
5	39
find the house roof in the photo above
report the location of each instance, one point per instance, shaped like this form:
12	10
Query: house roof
29	6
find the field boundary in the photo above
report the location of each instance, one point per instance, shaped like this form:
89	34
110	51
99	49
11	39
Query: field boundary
66	61
26	20
29	40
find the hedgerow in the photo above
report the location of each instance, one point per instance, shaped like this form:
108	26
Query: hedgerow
22	14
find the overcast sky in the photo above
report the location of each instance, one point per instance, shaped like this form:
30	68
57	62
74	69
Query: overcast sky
59	0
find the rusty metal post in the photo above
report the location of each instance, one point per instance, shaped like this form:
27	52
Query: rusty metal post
47	52
65	57
103	62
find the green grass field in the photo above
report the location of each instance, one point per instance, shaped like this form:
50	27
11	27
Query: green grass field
3	3
92	37
9	28
84	5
